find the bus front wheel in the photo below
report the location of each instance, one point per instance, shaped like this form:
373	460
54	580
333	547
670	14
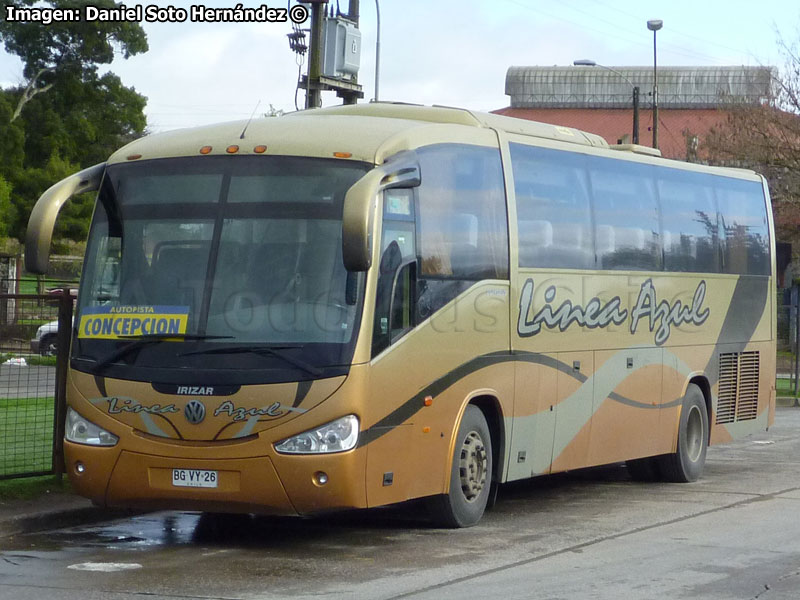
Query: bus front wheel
470	474
686	463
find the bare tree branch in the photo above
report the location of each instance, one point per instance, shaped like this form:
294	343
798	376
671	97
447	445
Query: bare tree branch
30	91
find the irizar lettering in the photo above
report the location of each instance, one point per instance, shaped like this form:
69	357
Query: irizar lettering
195	390
661	316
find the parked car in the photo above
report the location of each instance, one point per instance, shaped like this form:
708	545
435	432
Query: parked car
45	341
59	291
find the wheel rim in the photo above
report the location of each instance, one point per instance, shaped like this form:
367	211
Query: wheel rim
50	348
694	434
472	466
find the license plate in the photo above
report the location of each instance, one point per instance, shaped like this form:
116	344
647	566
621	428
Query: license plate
194	478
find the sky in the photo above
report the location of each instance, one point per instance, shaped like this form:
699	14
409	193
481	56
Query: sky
445	52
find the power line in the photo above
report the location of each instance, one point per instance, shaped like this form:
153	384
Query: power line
623	33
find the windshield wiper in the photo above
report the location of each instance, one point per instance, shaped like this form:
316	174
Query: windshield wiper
139	341
270	350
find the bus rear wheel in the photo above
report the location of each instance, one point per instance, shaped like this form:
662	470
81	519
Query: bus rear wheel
687	462
470	474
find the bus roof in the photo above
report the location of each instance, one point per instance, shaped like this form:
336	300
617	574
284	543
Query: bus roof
371	133
365	131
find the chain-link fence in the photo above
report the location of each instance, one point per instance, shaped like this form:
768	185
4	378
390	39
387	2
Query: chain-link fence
31	328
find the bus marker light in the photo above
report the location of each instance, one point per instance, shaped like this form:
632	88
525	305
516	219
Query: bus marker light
205	150
80	468
428	400
260	149
426	430
320	478
343	154
134	157
232	149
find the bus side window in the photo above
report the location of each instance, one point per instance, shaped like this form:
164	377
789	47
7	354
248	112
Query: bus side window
689	218
743	223
401	315
395	297
462	226
626	215
553	213
382	334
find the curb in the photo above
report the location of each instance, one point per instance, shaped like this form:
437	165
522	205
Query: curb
786	401
73	511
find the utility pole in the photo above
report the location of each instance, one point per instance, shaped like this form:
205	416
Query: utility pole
585	62
314	89
315	82
351	96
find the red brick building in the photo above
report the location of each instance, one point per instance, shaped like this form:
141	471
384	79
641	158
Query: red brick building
600	100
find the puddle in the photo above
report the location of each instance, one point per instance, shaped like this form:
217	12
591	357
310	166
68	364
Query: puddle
105	567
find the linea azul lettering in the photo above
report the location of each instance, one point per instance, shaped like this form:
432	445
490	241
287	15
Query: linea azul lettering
666	315
240	414
118	406
661	316
595	314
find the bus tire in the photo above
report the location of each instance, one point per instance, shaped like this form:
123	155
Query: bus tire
687	462
48	345
470	474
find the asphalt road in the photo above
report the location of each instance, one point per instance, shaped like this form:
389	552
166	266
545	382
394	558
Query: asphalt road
27	381
590	534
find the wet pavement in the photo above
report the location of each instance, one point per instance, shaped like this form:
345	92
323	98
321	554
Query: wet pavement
589	534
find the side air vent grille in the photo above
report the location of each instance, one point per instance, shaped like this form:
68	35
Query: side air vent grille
738	387
728	372
747	404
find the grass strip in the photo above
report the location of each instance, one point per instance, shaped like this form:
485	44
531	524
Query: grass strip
26	488
26	435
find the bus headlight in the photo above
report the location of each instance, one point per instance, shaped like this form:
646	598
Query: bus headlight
82	431
337	436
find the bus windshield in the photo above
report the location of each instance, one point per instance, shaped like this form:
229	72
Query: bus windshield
238	258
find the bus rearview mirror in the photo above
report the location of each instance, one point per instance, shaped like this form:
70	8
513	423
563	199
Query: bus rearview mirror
401	171
43	217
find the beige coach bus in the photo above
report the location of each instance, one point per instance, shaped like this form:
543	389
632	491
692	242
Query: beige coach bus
357	306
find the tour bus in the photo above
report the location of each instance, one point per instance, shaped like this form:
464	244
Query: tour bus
352	307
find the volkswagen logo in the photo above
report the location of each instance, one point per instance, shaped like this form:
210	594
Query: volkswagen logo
195	412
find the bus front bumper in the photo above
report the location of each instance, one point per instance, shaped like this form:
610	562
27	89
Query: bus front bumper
275	485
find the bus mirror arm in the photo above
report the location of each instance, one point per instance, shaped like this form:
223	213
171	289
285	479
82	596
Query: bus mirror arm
43	217
351	289
400	171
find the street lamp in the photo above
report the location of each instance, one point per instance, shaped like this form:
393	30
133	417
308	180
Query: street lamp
654	25
585	62
377	50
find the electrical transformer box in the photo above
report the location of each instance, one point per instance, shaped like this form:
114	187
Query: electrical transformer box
342	48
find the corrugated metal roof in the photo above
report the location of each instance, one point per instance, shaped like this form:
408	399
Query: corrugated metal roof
612	87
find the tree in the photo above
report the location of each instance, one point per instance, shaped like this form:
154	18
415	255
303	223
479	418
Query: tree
64	116
766	137
7	210
71	49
